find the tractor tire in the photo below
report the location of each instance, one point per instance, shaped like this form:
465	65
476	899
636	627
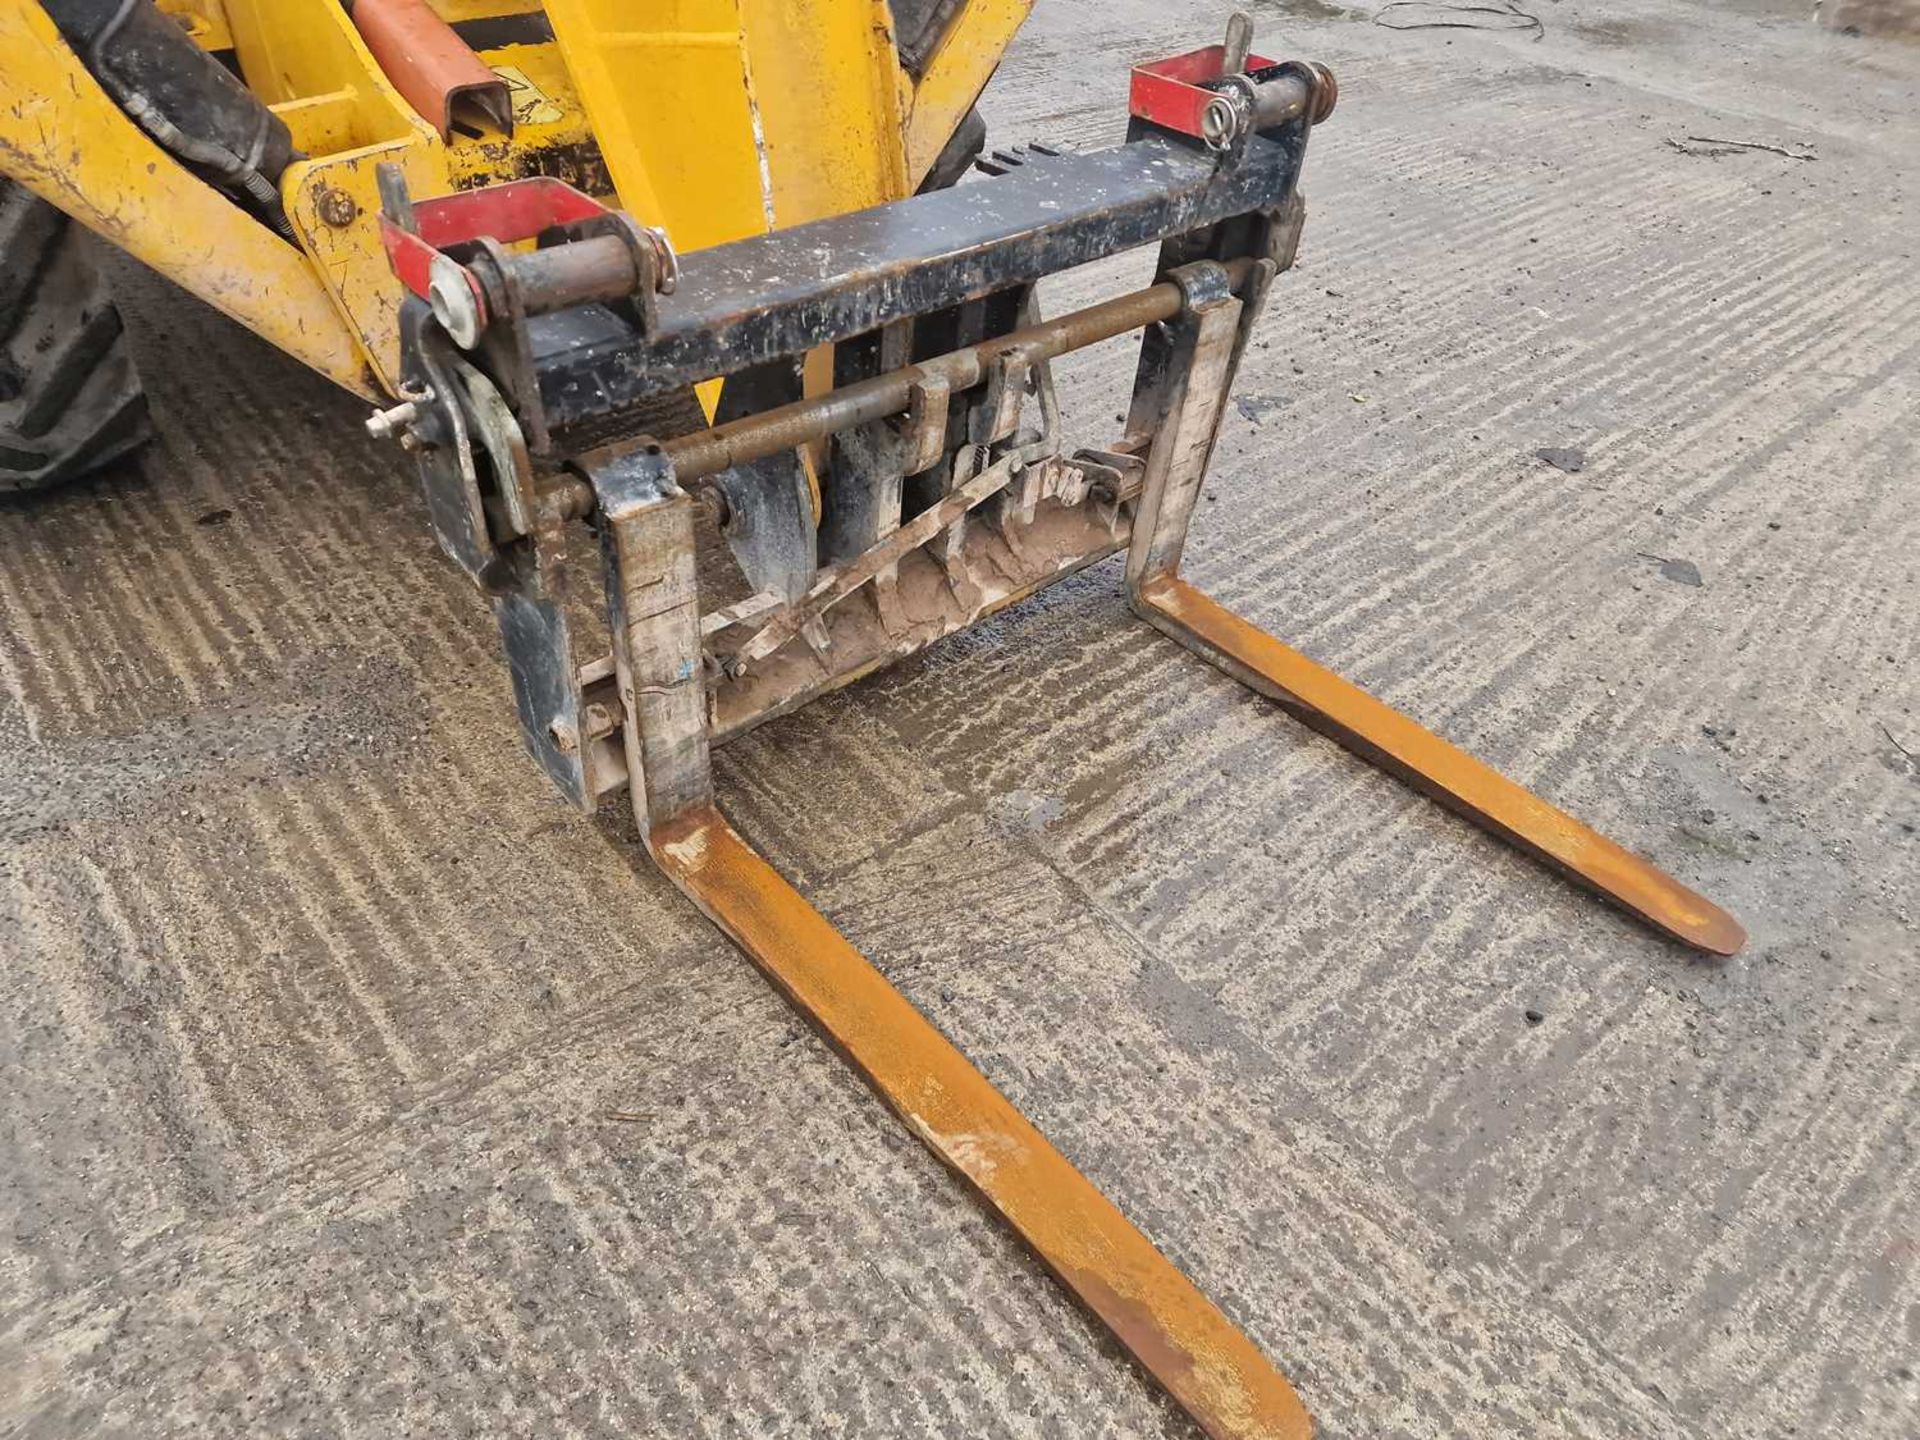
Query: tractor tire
70	398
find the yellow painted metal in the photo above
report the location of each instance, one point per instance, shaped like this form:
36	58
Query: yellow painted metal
955	76
721	119
349	258
717	119
645	145
822	82
291	49
1179	1336
305	59
680	147
63	138
308	61
551	135
204	20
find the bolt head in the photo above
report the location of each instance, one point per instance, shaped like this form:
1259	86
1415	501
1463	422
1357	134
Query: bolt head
337	208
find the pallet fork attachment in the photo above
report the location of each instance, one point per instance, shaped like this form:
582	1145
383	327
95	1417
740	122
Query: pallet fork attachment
945	493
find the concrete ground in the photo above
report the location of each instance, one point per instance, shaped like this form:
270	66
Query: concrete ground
354	1087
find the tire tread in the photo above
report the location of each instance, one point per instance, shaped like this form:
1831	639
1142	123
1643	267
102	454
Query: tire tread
70	397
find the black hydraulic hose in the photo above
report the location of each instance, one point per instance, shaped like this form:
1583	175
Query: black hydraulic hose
191	105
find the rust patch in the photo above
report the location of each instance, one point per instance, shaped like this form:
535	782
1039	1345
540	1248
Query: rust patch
1133	1324
578	162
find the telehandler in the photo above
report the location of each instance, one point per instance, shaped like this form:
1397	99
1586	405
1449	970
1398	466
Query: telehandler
533	234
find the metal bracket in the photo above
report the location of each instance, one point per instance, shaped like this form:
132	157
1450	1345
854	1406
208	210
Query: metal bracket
772	525
455	252
653	603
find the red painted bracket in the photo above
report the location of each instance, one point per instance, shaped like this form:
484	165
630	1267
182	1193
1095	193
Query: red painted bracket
514	211
1174	92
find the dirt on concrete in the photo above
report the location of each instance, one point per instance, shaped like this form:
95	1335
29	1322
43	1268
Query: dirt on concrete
356	1087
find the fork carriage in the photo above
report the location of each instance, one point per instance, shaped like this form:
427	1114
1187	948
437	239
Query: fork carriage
928	485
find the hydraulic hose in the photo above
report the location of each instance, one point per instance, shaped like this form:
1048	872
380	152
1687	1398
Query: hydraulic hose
189	102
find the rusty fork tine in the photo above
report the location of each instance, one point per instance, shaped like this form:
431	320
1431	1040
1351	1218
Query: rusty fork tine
649	545
1175	1333
1377	732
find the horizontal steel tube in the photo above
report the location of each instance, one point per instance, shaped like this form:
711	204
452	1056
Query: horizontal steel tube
599	268
785	293
754	437
1277	101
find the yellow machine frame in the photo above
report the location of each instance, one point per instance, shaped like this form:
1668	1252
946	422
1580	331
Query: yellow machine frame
752	115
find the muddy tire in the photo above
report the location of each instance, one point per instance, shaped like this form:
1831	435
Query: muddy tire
70	399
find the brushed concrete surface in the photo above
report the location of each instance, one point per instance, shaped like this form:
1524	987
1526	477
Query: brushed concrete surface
354	1087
